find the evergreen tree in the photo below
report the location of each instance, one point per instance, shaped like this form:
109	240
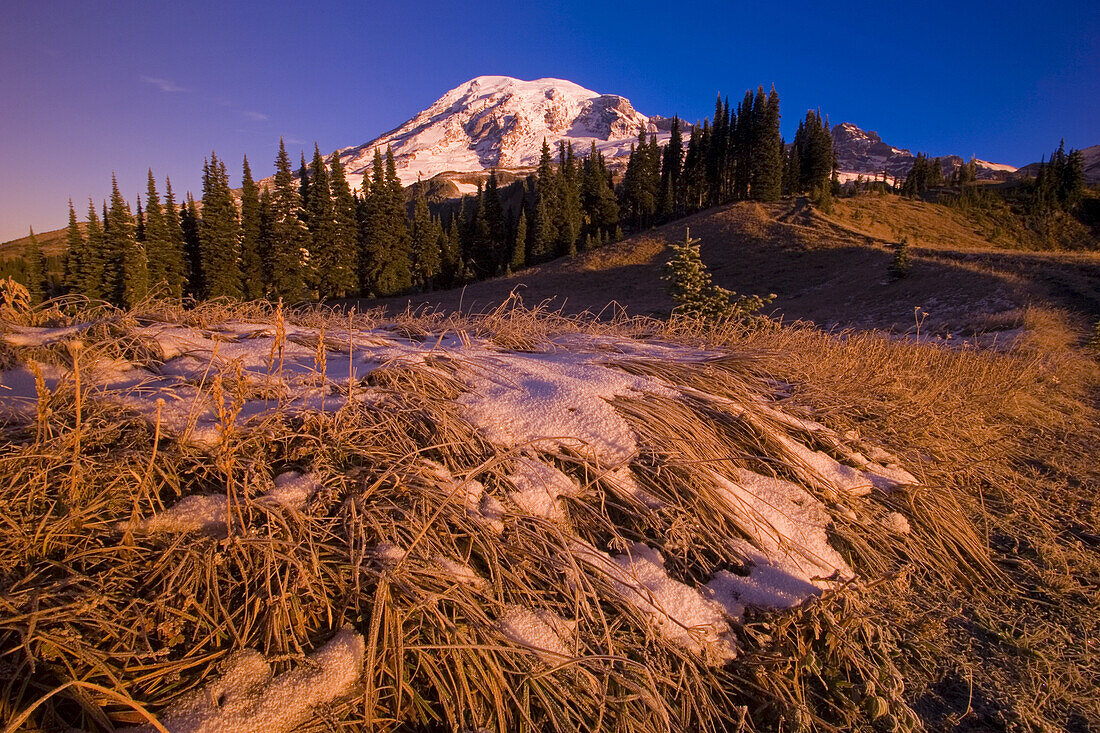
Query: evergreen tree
253	276
640	183
128	273
600	206
450	255
671	168
385	258
219	234
321	222
544	233
37	286
189	228
696	296
139	223
289	236
519	247
303	187
1071	183
94	272
495	258
340	276
75	254
425	243
768	183
156	236
569	217
174	257
902	262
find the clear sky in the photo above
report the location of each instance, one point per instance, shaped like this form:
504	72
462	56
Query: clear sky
90	88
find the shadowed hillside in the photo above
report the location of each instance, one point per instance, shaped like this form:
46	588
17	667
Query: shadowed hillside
831	270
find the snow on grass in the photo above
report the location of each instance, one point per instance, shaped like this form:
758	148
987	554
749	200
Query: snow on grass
556	397
203	513
292	490
539	489
248	697
548	634
680	613
555	400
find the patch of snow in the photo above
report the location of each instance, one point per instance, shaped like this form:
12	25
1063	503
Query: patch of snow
292	490
896	523
203	513
461	572
551	636
785	522
680	613
539	488
248	697
545	401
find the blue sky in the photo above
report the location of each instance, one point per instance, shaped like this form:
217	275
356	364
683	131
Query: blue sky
91	88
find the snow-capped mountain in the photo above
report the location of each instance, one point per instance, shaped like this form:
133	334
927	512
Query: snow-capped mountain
863	152
500	122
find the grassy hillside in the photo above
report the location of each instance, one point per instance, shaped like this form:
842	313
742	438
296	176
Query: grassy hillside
831	270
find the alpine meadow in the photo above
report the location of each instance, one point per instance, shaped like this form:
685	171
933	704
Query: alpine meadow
537	412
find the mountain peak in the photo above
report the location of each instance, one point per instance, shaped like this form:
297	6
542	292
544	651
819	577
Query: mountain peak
500	122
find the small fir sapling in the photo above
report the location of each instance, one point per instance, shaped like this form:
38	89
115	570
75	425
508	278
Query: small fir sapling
696	296
902	261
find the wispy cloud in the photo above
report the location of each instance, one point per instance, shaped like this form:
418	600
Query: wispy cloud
165	85
255	116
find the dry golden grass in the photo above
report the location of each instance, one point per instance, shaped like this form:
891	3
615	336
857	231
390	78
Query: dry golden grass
1002	561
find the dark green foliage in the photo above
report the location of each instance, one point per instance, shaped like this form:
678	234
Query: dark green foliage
491	254
642	181
253	276
189	227
174	256
547	201
568	219
219	234
450	251
93	280
156	238
696	296
425	244
340	278
75	254
767	148
37	286
384	261
127	268
289	245
599	205
671	167
320	220
519	245
925	173
902	261
811	160
139	222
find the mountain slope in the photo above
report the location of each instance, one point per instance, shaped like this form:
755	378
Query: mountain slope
500	122
863	152
1091	157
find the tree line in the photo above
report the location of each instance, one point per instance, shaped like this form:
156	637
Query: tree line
309	235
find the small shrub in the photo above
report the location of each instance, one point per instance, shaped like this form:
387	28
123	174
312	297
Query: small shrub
902	262
697	297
